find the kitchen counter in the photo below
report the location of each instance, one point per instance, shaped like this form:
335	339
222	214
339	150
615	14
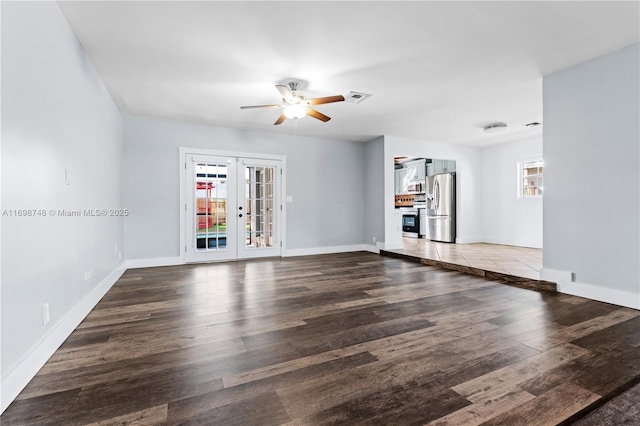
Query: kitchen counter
404	200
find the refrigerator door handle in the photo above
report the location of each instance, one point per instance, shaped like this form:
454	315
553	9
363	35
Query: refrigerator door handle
437	195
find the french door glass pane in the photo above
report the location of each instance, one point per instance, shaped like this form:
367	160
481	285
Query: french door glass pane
211	206
259	195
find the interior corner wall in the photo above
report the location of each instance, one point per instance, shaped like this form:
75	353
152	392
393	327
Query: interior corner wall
324	177
56	116
374	195
468	185
592	178
507	219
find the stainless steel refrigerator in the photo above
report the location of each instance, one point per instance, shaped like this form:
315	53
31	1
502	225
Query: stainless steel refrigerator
441	207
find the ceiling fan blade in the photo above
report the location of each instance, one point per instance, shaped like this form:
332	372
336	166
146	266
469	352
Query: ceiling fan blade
317	114
325	100
285	92
261	106
280	119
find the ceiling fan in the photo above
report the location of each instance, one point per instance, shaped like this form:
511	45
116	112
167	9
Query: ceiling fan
296	105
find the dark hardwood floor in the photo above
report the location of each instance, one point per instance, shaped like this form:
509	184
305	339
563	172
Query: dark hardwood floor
351	338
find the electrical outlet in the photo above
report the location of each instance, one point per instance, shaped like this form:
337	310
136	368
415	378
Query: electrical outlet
45	313
67	177
88	275
374	239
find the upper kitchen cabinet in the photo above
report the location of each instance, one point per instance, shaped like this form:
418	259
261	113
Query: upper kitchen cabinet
419	169
399	175
436	167
416	170
408	174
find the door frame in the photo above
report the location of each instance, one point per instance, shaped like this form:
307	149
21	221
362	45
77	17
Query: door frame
182	161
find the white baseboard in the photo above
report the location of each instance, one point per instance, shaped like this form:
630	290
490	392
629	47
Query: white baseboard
170	261
603	294
393	245
469	240
325	250
373	248
563	280
510	242
20	375
154	261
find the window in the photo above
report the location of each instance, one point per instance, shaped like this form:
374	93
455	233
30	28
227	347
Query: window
530	183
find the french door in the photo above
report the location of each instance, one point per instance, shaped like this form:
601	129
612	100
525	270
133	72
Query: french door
233	208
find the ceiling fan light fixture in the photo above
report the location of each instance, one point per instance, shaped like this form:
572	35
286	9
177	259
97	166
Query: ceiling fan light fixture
295	105
495	127
295	111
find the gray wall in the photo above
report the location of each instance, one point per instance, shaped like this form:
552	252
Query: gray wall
592	173
374	191
507	219
56	115
325	177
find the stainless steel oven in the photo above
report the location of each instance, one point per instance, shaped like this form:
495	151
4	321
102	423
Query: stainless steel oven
410	223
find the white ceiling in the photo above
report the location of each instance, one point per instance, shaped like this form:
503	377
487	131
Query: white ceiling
437	70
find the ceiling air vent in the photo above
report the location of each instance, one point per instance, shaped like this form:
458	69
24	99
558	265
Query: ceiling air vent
495	127
356	97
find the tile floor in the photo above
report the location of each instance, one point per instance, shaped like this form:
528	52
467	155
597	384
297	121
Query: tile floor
517	261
